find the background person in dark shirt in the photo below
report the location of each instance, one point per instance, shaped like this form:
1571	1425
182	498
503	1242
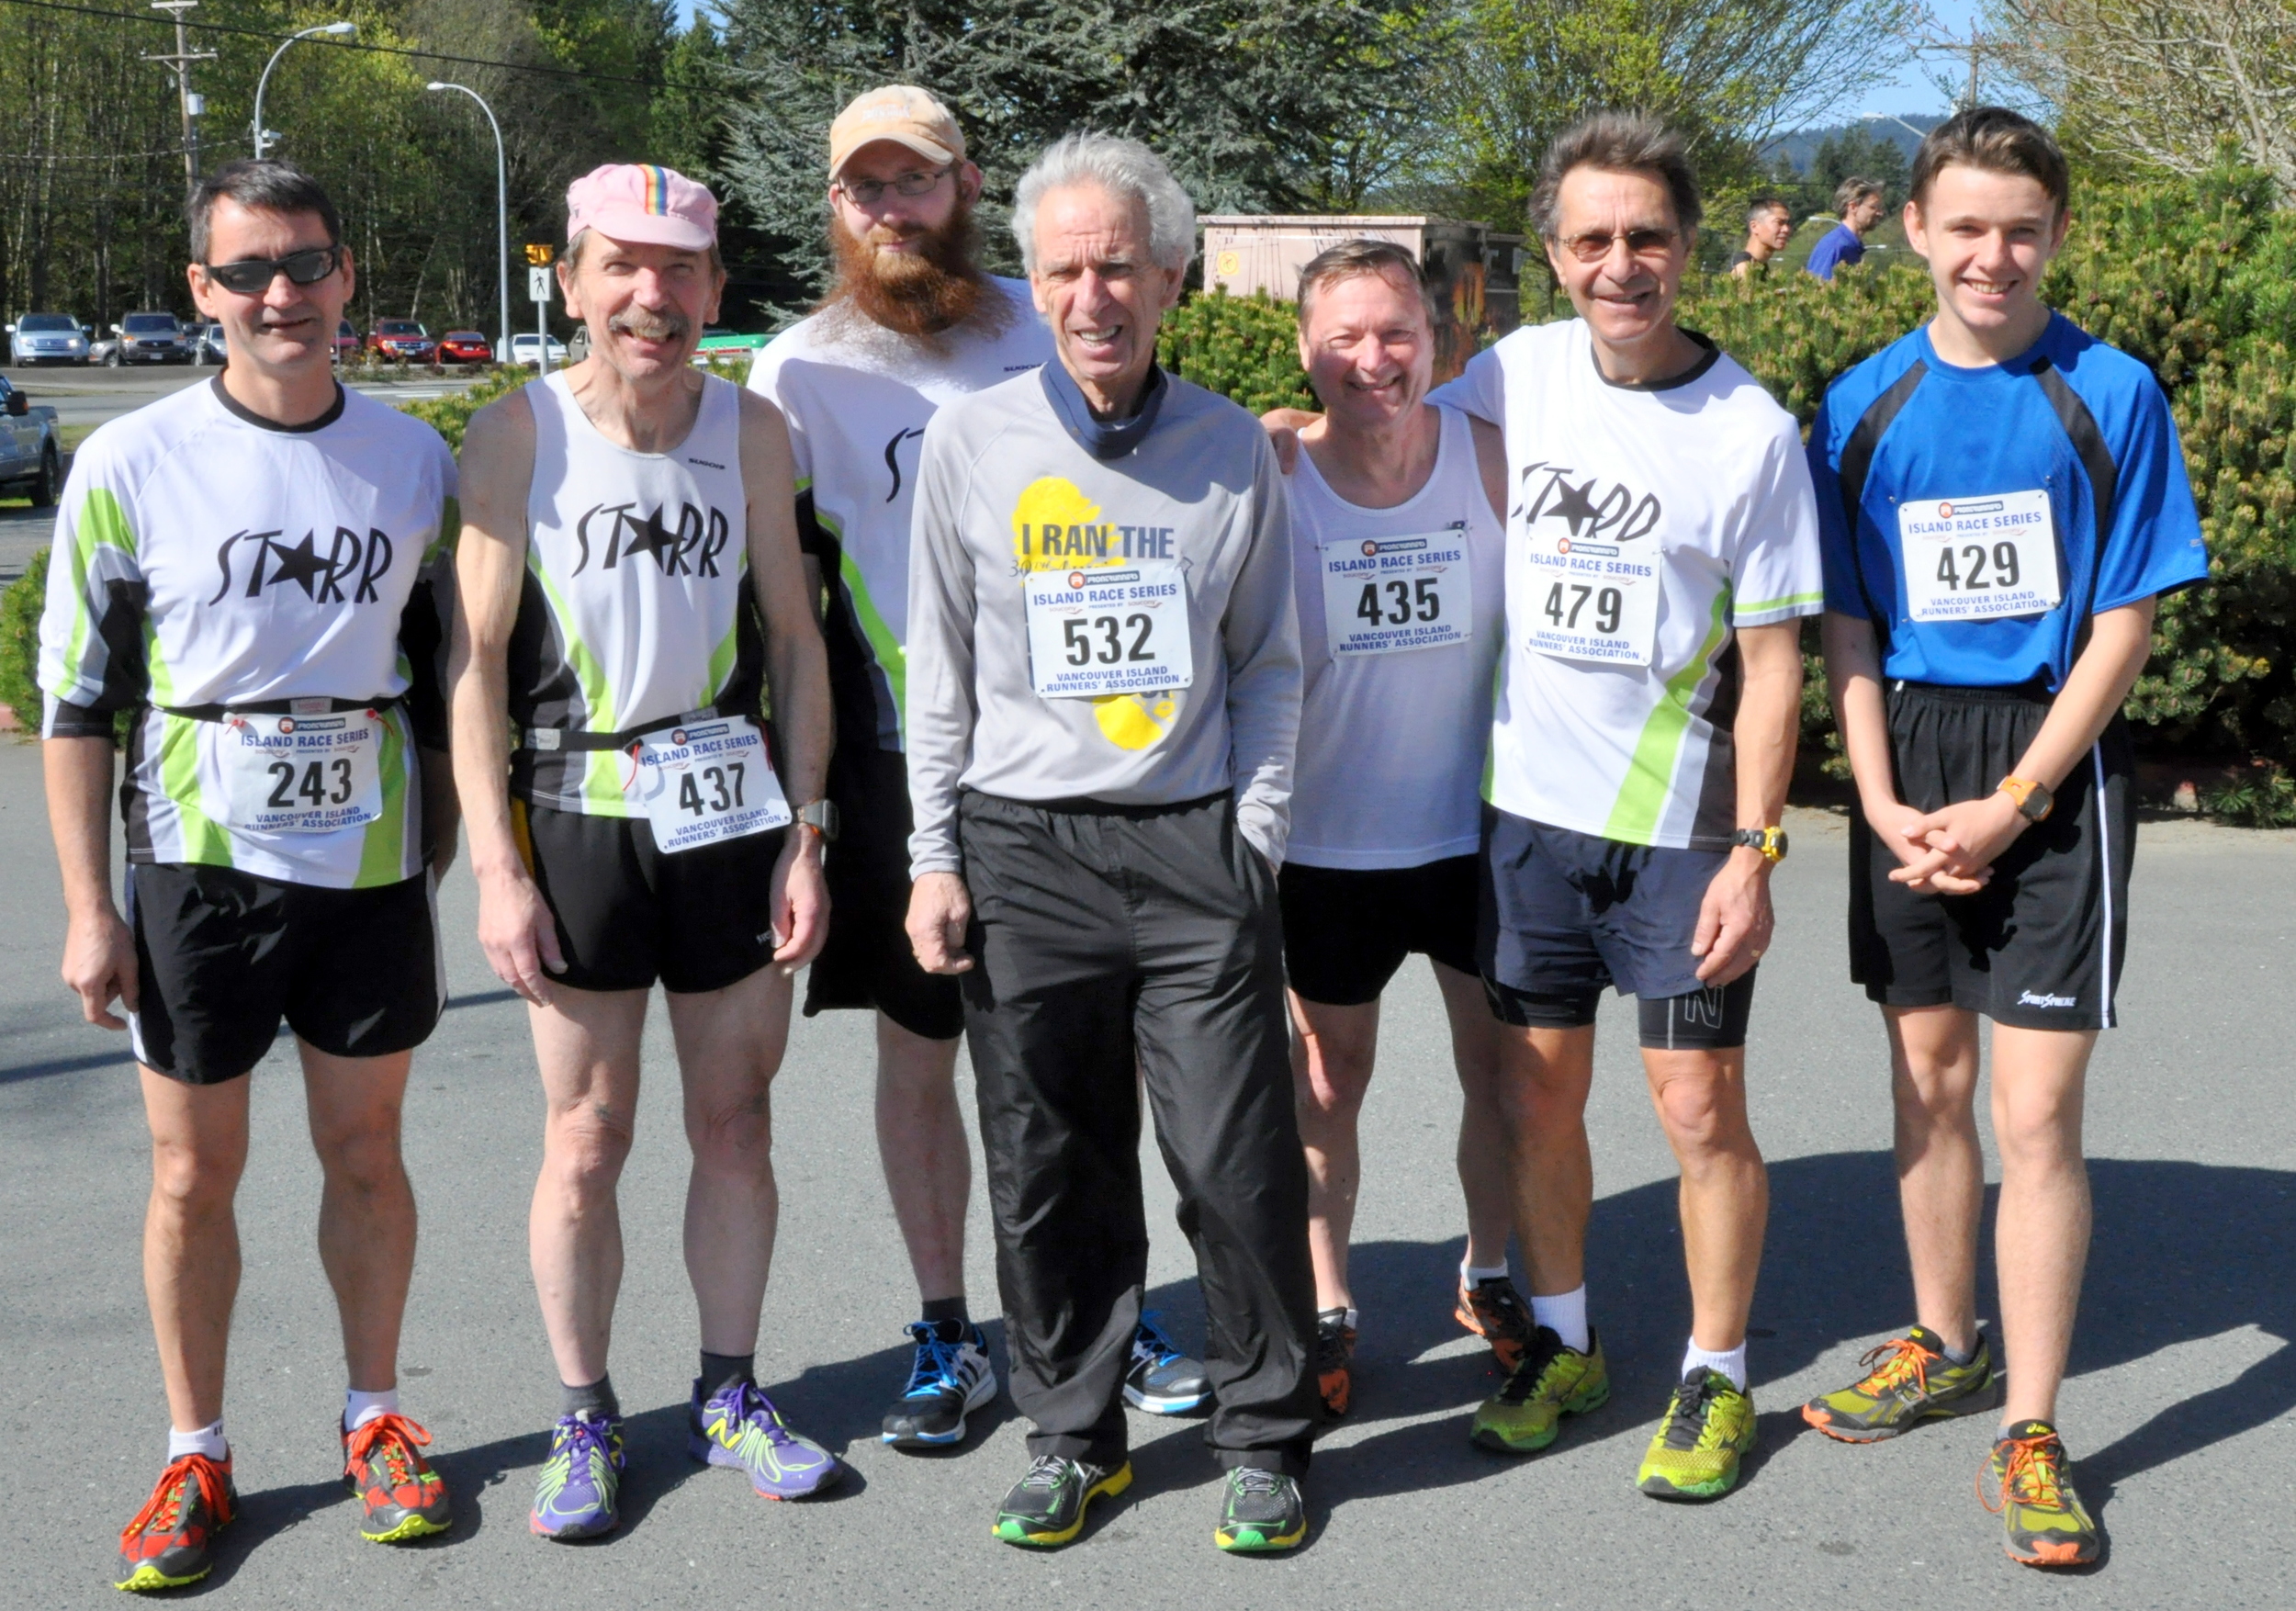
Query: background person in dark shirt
1769	226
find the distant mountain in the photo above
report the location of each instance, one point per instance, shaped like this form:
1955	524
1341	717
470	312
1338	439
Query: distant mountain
1802	145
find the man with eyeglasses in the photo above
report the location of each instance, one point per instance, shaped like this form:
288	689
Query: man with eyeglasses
1662	546
242	571
911	323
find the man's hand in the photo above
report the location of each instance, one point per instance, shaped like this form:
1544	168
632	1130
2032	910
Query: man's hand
800	900
1921	869
99	963
518	934
1284	426
1965	839
1735	918
939	911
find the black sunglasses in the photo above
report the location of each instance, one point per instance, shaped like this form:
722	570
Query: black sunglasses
251	275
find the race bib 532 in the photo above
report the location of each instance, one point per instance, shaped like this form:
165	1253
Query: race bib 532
1096	631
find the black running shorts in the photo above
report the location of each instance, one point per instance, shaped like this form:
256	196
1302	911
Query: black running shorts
1566	914
2039	947
628	915
868	962
1347	930
222	956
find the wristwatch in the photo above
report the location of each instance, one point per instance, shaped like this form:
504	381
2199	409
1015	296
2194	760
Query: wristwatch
1769	841
2033	802
820	816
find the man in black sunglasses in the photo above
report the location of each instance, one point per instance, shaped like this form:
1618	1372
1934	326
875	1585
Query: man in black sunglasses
242	569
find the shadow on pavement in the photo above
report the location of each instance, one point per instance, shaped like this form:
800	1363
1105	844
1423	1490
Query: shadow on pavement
2182	1252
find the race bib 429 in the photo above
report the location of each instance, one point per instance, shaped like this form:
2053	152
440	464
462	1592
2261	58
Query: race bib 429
1979	558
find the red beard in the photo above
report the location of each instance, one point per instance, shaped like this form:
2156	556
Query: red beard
919	293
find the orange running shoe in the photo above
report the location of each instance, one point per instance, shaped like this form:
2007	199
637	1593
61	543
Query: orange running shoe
2024	1480
1495	1311
404	1498
166	1545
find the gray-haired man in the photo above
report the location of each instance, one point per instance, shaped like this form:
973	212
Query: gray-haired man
1104	693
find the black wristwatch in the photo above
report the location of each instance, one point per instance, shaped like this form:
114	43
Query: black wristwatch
1769	841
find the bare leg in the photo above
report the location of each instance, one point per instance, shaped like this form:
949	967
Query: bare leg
367	1215
729	1047
1482	1149
587	1045
1941	1166
2040	1235
1545	1076
1332	1049
927	1162
1724	1193
191	1238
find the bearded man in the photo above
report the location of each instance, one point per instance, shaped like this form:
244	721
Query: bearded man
911	323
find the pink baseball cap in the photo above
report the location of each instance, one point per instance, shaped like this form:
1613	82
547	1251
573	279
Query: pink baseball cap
638	201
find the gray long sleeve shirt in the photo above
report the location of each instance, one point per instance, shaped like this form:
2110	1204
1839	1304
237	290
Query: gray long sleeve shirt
1004	495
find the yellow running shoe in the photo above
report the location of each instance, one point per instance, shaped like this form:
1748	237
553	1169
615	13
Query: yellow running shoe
1525	1415
1709	1427
2047	1524
1909	1379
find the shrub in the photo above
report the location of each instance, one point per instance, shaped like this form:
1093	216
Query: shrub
1247	348
19	641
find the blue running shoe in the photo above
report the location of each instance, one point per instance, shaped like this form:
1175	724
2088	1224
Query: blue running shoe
738	1427
1163	1381
951	1378
578	1493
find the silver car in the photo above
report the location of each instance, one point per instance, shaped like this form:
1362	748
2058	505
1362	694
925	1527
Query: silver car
47	338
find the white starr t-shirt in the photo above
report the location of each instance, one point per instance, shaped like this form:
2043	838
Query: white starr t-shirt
1392	737
856	397
1644	527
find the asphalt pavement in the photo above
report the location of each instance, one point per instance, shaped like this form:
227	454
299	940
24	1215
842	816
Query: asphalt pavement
2178	1410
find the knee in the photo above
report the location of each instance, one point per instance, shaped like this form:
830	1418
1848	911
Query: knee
734	1136
2037	1129
1334	1081
1704	1118
363	1159
194	1181
586	1147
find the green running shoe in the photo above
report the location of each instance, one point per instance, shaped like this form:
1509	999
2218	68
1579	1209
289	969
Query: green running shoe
1046	1508
1909	1379
1709	1427
2046	1522
1552	1381
1260	1512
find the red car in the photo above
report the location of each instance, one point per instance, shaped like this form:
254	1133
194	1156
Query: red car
346	341
464	346
401	341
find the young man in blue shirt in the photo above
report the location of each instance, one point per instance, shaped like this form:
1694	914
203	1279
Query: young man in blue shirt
2003	500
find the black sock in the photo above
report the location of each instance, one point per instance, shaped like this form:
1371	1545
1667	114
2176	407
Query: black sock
596	1399
720	1369
947	1317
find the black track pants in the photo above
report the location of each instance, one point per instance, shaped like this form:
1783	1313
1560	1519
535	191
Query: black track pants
1103	935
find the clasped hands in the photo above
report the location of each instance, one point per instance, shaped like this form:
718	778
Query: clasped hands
1951	851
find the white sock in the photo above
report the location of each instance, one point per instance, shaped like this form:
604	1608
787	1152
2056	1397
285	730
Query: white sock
1732	1364
208	1440
359	1408
1472	1273
1565	1314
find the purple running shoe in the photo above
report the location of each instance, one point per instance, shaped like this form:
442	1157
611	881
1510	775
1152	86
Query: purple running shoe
738	1427
577	1494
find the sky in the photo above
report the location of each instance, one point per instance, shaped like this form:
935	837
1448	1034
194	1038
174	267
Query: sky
1907	90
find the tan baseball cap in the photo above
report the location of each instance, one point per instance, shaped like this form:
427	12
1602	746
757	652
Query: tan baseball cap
898	112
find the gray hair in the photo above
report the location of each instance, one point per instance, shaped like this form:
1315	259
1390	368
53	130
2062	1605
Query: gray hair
1618	143
1126	170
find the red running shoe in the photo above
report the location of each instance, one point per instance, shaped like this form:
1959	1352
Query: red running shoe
166	1545
404	1498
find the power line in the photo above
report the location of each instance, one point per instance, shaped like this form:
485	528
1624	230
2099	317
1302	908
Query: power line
256	33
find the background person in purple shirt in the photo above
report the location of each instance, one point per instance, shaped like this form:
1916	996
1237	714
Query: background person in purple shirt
1858	203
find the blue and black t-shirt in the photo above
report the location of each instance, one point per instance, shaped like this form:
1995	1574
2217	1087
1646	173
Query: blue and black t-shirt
1999	508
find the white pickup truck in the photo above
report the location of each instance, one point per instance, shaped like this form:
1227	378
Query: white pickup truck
30	461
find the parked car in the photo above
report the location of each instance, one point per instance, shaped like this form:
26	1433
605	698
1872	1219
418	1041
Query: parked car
346	341
464	346
149	338
401	341
526	348
47	338
30	462
208	345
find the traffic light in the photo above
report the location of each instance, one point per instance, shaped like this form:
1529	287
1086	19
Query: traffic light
539	255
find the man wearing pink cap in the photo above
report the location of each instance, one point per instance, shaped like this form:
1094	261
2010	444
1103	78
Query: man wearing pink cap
911	323
626	525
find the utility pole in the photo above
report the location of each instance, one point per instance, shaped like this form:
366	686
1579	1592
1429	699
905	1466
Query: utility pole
192	105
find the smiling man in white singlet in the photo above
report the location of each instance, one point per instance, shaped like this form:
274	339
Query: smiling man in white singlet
628	532
1399	552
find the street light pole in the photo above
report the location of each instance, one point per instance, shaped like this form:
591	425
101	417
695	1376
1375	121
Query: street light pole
335	29
501	214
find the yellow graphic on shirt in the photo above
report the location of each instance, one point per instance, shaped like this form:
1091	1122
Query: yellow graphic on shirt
1056	526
